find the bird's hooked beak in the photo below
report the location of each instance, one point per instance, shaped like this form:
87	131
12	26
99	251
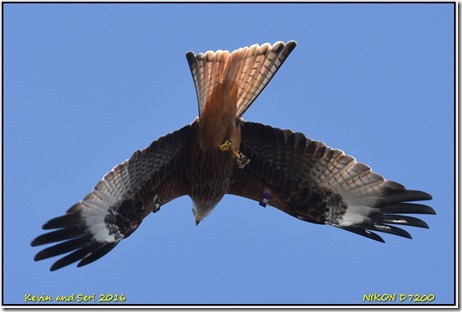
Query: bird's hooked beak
196	217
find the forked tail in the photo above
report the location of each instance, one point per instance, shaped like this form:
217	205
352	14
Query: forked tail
251	68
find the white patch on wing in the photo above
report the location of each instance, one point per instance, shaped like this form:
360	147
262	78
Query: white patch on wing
349	219
94	222
363	210
355	215
100	233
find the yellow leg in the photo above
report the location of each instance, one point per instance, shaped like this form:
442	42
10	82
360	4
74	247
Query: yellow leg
225	146
241	159
236	154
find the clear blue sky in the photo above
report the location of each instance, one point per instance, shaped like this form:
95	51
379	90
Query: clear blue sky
88	84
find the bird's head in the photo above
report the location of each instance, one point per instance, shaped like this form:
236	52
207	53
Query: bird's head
200	212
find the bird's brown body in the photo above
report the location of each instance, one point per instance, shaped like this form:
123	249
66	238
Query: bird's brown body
234	76
220	153
210	179
213	168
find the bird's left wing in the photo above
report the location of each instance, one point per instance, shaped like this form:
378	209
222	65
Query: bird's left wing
119	202
315	183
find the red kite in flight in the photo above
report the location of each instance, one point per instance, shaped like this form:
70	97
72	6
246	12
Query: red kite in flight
219	153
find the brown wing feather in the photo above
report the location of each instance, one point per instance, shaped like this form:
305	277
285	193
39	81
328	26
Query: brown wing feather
119	202
315	183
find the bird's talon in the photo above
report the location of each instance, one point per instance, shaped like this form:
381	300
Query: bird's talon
225	146
242	160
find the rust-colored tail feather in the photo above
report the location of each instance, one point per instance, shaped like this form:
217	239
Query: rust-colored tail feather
251	68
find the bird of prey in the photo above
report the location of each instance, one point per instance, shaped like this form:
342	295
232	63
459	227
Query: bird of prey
219	153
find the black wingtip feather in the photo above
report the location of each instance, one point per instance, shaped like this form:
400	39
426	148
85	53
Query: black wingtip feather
73	241
395	202
56	236
67	220
404	220
69	259
399	196
362	232
407	208
62	248
96	254
389	230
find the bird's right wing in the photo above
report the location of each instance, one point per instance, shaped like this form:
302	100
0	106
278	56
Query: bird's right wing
315	183
119	202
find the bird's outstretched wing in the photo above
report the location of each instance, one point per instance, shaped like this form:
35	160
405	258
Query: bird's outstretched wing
119	202
251	68
315	183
